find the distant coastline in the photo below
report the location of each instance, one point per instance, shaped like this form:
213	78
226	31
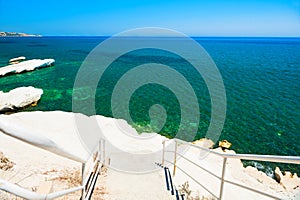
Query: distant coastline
15	34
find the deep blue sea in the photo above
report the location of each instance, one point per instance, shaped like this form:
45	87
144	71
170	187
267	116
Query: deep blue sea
261	78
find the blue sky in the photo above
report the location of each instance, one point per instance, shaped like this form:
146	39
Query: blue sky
192	17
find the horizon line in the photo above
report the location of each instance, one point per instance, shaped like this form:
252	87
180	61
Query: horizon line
193	36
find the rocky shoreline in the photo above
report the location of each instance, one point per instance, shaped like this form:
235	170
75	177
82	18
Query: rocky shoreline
285	184
57	124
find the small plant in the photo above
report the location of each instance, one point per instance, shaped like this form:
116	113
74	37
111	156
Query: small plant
185	189
5	163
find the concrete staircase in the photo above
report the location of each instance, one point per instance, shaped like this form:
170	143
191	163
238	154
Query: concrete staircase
149	186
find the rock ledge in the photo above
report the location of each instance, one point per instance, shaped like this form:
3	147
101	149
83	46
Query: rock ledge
19	98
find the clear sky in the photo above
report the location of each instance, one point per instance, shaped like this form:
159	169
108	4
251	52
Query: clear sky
192	17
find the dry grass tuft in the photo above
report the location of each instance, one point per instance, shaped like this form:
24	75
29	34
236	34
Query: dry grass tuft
184	189
5	163
72	177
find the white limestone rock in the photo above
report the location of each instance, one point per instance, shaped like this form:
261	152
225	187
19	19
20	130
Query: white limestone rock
204	142
288	180
28	65
19	98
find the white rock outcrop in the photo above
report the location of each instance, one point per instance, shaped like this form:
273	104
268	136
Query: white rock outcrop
19	98
28	65
17	60
289	181
204	142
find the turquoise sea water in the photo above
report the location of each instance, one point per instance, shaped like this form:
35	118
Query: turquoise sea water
261	78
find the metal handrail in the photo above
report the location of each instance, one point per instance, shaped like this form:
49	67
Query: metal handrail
27	194
256	157
193	179
98	162
182	156
269	158
252	189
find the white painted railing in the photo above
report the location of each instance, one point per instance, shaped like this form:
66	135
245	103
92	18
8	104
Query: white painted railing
87	184
37	139
268	158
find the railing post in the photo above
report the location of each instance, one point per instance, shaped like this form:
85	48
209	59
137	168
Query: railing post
103	151
163	154
82	181
175	159
222	178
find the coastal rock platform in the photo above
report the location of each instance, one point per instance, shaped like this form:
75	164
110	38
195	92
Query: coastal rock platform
28	65
19	98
